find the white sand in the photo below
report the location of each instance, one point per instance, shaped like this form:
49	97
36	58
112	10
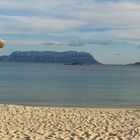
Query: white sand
48	123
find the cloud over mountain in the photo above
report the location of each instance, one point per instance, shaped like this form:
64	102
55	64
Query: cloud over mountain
71	24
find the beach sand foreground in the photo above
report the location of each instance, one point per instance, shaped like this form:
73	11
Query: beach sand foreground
50	123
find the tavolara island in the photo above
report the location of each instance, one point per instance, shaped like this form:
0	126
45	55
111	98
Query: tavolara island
50	57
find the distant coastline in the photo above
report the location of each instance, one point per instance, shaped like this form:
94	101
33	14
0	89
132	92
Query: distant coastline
135	64
67	57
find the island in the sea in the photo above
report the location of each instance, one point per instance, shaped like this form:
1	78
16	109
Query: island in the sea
67	57
80	63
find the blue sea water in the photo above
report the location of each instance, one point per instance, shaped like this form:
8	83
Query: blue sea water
65	85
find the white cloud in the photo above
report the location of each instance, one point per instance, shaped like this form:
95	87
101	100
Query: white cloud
32	42
58	43
66	17
42	5
39	24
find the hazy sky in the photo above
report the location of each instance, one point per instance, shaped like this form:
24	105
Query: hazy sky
108	29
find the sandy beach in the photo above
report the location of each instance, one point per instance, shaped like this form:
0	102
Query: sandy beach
50	123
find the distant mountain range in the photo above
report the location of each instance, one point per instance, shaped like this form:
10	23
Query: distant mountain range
50	57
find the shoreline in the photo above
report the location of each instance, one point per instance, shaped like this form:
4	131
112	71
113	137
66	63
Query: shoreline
68	123
75	106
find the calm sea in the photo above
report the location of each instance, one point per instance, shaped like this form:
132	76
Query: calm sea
57	84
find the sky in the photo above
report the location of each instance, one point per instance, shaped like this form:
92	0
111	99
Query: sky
107	29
